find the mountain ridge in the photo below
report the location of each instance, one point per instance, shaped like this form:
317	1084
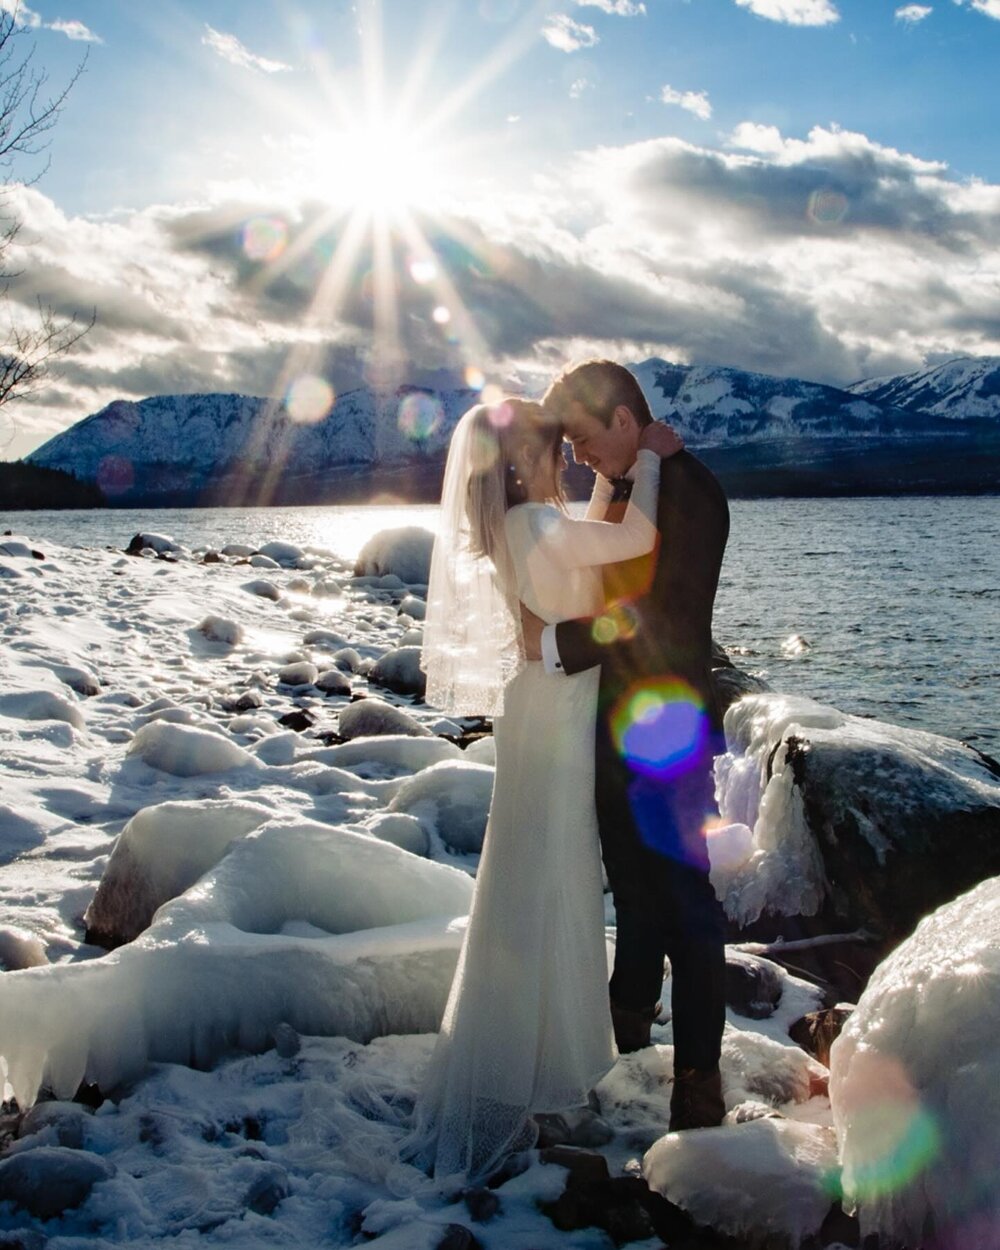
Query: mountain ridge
936	429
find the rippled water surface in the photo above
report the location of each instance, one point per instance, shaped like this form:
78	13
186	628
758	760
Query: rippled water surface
882	607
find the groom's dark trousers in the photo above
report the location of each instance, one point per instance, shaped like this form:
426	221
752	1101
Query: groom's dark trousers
658	727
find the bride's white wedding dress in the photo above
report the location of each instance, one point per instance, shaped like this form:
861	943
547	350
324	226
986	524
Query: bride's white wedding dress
527	1027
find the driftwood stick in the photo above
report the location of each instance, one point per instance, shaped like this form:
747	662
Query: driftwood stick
780	947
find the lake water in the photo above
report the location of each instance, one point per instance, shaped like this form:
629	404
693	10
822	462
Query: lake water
896	601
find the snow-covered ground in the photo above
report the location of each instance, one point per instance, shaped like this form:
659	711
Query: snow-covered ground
289	913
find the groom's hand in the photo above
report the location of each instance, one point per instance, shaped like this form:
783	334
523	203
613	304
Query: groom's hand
531	630
661	438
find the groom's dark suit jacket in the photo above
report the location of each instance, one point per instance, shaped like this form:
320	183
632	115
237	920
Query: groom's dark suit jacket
673	613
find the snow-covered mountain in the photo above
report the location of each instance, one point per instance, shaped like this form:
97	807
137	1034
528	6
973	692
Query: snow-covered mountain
937	429
248	449
959	389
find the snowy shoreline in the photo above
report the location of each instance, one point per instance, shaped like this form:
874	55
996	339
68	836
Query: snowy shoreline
299	893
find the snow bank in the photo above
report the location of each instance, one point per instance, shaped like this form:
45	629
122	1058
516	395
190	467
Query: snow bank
40	705
330	931
765	1177
915	1083
405	552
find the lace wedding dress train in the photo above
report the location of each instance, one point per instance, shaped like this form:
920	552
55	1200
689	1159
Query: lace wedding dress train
527	1027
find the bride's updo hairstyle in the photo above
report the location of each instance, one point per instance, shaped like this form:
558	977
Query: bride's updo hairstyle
509	441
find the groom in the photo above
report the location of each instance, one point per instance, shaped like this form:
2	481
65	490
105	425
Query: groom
658	727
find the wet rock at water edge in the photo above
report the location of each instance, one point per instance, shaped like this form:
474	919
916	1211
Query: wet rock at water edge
49	1180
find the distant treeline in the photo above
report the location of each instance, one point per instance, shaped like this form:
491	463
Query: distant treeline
25	485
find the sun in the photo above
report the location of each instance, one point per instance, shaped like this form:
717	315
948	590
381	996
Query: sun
379	168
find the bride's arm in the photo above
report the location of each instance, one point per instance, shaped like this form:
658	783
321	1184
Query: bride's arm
575	544
600	497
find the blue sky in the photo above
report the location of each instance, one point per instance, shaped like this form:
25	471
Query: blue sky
249	193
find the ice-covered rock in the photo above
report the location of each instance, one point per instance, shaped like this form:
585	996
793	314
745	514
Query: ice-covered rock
40	705
160	852
19	948
451	800
224	964
238	551
768	1178
221	629
185	751
347	658
387	754
414	607
82	680
368	717
258	561
263	588
399	670
332	682
48	1180
915	1083
160	543
286	554
301	673
873	824
405	552
402	830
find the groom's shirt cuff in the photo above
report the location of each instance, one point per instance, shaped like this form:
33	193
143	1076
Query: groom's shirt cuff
550	651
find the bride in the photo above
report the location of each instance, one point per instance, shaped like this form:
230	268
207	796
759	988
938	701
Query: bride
527	1027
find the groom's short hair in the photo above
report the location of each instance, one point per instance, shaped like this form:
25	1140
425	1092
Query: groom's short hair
600	386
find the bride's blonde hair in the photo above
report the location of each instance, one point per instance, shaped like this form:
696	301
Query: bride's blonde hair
509	439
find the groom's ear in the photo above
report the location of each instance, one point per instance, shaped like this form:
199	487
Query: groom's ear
623	417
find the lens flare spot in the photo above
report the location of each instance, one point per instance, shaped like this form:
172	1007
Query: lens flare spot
264	238
441	315
501	415
492	394
659	727
475	379
827	207
604	630
420	416
423	270
309	399
115	475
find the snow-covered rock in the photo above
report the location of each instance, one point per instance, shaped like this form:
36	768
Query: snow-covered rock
286	554
401	830
265	589
368	717
224	964
451	800
332	681
80	679
185	751
405	552
300	673
766	1178
20	949
414	607
160	853
48	1180
874	824
399	670
160	543
221	629
915	1083
40	705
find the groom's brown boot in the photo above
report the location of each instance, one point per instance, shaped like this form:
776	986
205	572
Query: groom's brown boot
696	1099
632	1026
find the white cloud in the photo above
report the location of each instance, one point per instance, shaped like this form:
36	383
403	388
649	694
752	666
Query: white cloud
74	30
578	86
795	12
913	13
990	7
620	8
230	49
20	13
695	102
568	36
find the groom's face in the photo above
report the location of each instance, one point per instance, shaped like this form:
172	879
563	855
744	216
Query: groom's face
609	449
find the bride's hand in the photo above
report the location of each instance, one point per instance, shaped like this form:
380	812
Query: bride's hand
661	438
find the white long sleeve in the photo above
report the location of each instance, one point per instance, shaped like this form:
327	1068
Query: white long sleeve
572	544
600	497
